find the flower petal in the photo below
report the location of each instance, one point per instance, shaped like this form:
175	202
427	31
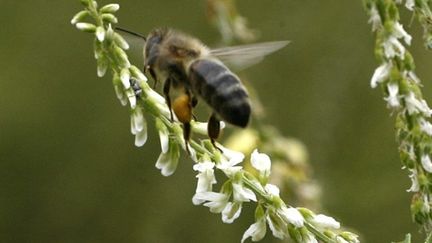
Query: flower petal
291	215
231	212
256	231
426	163
242	194
325	221
261	162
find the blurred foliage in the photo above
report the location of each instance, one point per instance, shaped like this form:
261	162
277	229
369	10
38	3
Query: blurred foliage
70	172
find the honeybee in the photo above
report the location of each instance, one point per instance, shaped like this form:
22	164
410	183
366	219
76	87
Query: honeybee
184	63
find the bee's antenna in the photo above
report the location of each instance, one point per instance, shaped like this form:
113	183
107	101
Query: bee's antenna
131	32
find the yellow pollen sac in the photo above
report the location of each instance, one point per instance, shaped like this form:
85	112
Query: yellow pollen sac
182	108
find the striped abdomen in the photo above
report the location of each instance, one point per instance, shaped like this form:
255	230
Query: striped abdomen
221	90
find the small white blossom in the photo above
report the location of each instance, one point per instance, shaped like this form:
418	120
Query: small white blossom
414	106
201	127
233	157
415	187
242	194
401	33
393	97
167	162
206	179
132	98
381	73
120	94
138	127
426	163
215	201
110	8
291	215
277	226
100	33
425	126
409	4
324	221
272	189
125	78
85	27
413	77
374	18
164	139
339	239
261	162
256	231
229	161
231	212
393	47
308	237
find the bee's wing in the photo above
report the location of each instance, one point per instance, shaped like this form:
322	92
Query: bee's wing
244	56
136	42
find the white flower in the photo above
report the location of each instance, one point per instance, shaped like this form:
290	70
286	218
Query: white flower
233	157
309	238
324	221
393	97
164	140
374	18
425	126
426	163
272	189
201	127
277	226
132	98
261	162
409	4
414	106
242	194
339	239
392	48
138	127
215	201
206	179
167	162
381	73
291	215
401	33
229	161
125	78
100	33
256	231
413	77
231	212
120	94
415	187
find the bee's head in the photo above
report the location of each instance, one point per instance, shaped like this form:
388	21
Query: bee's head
153	39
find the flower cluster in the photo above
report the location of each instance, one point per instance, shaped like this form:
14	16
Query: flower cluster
240	186
401	88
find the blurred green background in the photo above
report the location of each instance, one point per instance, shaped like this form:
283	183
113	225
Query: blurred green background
69	171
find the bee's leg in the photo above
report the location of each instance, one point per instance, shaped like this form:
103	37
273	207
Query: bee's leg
193	102
186	135
213	130
152	74
183	111
166	89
